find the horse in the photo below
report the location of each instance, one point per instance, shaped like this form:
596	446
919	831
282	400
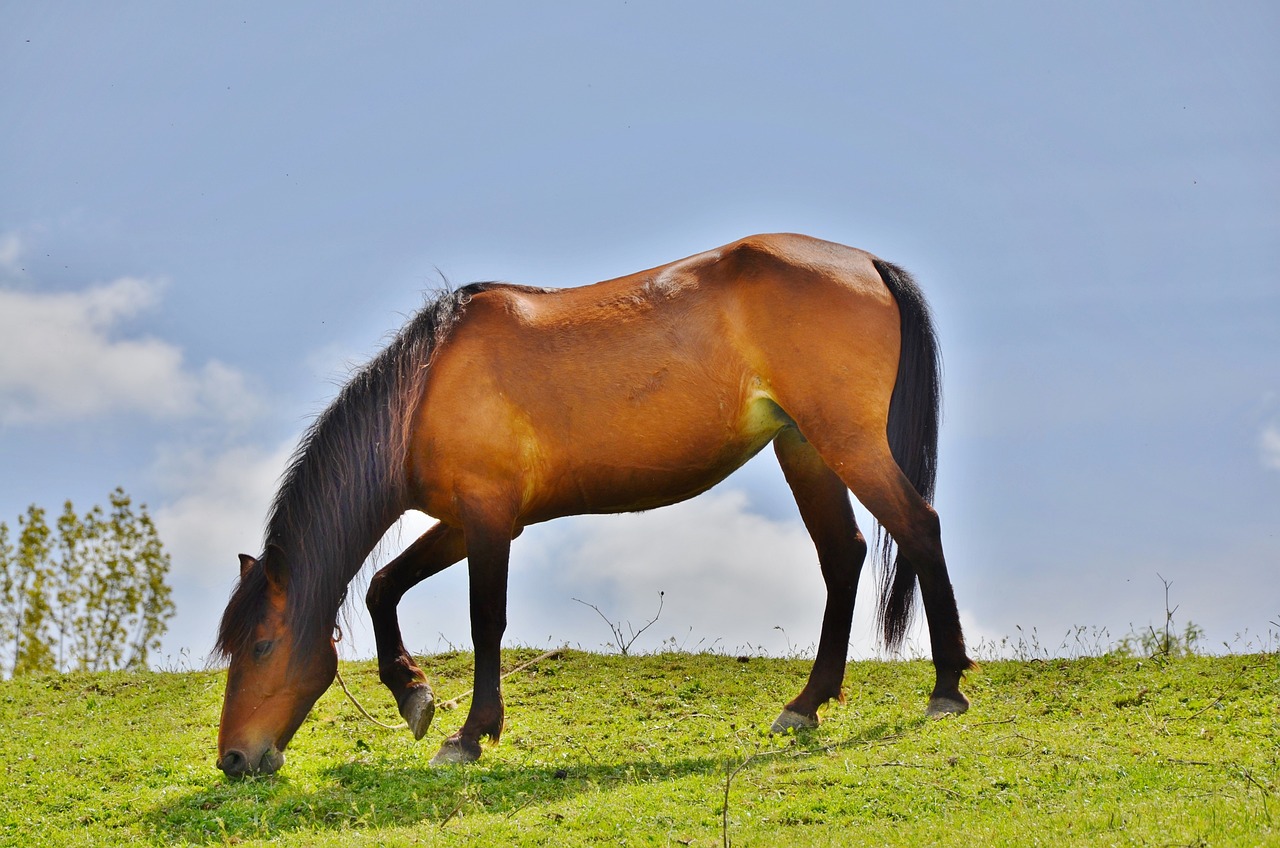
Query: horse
498	406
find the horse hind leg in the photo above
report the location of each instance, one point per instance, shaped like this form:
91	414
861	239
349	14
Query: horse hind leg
436	550
877	481
824	505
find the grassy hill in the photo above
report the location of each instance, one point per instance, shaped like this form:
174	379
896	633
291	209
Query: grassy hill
610	750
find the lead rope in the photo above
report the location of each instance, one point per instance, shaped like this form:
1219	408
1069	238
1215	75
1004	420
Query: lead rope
450	704
337	637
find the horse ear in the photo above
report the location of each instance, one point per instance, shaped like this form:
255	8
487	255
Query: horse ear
273	562
246	562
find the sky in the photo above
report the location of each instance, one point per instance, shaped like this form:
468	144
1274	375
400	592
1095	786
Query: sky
211	213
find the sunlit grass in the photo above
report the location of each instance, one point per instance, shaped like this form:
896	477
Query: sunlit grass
609	750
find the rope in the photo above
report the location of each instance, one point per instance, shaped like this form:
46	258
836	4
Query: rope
337	637
364	712
450	704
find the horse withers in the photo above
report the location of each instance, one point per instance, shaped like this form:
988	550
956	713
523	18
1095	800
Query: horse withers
500	406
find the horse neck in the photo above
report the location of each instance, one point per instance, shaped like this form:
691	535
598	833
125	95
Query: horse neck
344	489
347	484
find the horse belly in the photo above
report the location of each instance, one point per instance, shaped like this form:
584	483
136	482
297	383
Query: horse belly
622	453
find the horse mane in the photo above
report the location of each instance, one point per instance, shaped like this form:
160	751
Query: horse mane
345	484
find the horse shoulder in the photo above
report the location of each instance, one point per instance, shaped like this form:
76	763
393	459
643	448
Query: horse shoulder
467	435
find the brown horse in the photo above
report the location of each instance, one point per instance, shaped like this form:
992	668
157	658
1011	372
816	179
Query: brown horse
500	406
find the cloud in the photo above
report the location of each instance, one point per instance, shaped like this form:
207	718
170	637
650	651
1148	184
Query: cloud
62	358
11	249
217	506
712	558
214	508
1269	443
732	580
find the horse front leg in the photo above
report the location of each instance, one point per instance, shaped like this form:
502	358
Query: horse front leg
436	550
488	552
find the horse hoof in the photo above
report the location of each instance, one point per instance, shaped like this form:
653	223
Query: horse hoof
945	705
418	709
454	751
789	720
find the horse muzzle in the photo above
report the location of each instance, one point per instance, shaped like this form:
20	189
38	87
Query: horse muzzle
236	764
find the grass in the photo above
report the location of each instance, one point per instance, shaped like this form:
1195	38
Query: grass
644	750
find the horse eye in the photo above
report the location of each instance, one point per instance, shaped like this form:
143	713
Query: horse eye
262	648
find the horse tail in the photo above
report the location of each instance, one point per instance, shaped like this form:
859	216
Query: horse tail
914	415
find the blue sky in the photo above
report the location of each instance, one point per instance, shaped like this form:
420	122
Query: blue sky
210	212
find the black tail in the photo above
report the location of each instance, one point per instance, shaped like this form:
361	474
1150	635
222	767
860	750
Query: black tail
914	414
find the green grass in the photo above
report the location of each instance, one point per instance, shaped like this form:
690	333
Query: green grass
609	750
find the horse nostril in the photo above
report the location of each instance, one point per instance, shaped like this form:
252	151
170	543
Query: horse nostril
233	763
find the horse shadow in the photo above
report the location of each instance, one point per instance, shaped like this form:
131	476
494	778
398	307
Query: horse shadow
401	796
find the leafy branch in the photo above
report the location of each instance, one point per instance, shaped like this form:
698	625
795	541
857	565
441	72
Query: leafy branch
88	593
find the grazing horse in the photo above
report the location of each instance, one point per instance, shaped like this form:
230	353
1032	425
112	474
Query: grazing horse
499	406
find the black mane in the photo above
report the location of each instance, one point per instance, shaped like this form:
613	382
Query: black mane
345	484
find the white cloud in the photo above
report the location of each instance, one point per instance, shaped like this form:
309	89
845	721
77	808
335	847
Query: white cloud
731	578
11	249
215	509
1269	444
61	358
218	506
728	573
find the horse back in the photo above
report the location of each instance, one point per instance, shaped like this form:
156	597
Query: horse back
647	389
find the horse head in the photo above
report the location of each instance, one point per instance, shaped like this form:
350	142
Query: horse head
276	673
